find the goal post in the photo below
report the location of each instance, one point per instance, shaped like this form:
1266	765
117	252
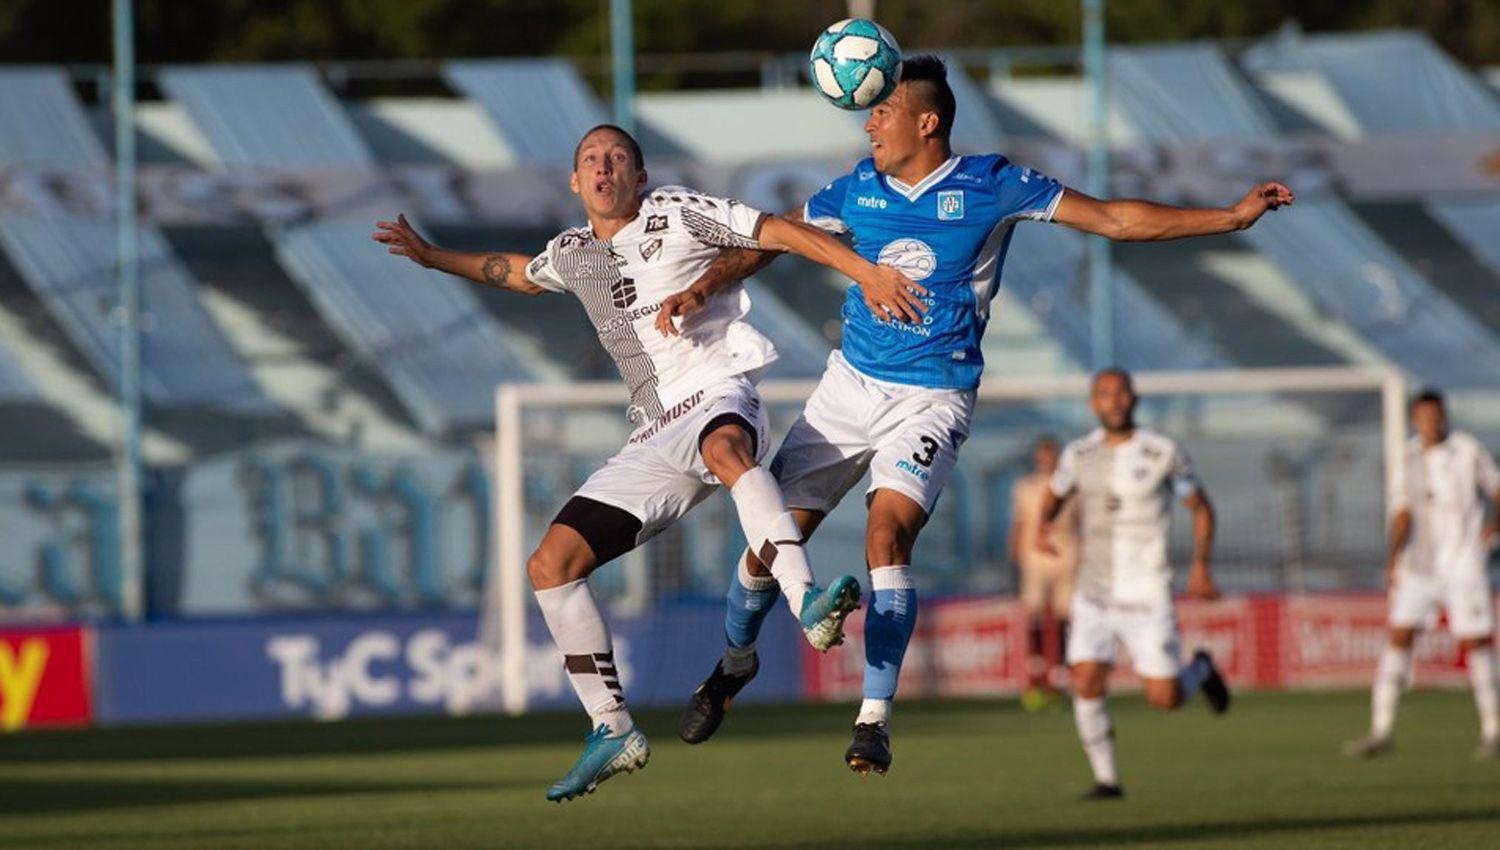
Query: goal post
590	412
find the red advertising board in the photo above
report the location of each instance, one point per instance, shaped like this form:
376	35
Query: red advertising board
966	647
44	678
1334	640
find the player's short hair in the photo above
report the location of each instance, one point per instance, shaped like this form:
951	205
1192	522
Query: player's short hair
630	142
1428	396
926	77
1044	440
1117	372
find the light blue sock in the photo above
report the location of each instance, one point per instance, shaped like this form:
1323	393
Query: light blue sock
888	626
1193	675
749	600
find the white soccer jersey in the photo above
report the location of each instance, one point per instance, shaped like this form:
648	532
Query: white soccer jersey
1125	495
1447	487
622	282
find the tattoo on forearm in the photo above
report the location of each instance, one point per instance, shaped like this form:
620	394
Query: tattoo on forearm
497	270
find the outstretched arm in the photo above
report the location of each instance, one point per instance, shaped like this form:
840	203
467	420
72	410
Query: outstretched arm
730	266
884	298
899	297
1144	221
500	270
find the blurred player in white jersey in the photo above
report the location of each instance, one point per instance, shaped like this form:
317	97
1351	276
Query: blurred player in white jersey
897	399
698	419
1439	546
1125	478
1046	577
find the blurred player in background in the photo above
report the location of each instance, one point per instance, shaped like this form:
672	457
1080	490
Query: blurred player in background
1046	576
1124	478
698	419
898	397
1439	546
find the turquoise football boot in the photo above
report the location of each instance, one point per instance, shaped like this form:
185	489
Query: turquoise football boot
823	612
604	755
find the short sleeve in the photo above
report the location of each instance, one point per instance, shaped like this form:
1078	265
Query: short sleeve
1486	473
721	222
541	271
1023	193
825	209
1180	475
1065	477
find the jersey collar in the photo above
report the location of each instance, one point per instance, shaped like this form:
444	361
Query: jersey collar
911	193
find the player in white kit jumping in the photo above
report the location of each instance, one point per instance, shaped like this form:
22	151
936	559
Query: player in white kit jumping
1439	546
698	418
1125	478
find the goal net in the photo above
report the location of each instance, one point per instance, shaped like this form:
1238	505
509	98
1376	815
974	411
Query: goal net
1297	462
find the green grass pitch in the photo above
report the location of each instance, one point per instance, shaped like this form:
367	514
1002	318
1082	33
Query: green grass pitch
966	775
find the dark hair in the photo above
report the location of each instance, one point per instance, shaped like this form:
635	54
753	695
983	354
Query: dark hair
630	142
928	76
1427	396
1118	373
1044	440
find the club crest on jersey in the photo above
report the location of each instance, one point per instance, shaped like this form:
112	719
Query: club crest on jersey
651	249
622	292
656	223
950	205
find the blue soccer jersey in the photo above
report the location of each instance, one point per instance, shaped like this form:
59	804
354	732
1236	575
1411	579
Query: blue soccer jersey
950	233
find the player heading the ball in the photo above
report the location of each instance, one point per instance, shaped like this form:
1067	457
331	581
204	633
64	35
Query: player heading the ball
897	398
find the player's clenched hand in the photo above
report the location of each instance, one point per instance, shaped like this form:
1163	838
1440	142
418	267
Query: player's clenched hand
681	303
892	295
402	239
1266	196
1200	583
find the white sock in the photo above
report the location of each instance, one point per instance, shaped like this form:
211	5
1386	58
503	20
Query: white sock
772	533
1390	678
1098	737
874	711
1482	677
579	632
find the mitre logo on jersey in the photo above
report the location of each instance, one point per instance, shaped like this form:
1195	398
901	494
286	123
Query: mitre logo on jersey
950	205
622	292
913	257
651	249
656	223
871	203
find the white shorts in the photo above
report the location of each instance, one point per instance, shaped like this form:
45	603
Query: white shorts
906	436
1149	632
1416	598
659	475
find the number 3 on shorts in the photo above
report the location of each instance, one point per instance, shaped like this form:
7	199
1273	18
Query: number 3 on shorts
929	451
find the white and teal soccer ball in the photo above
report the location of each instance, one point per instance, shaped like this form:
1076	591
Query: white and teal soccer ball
855	64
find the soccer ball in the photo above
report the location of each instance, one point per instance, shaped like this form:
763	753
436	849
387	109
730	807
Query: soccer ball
855	64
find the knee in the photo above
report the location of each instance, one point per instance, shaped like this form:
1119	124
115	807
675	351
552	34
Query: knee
887	544
727	451
1403	638
717	450
1164	699
1088	683
546	570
